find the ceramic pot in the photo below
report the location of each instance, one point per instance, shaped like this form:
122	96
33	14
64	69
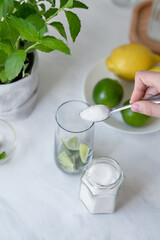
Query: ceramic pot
18	99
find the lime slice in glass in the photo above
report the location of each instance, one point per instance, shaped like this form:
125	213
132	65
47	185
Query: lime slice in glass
71	143
83	151
65	161
64	149
75	155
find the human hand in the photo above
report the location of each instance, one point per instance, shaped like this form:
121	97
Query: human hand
147	83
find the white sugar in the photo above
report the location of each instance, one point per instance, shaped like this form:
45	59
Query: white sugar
95	113
103	174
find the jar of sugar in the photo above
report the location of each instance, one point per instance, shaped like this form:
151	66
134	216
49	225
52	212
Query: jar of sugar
100	185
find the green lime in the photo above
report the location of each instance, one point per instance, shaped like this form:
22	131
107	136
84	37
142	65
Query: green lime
65	161
71	143
83	151
64	149
133	118
108	92
75	156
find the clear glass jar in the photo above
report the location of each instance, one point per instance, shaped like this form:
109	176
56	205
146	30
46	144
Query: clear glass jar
73	137
98	196
154	21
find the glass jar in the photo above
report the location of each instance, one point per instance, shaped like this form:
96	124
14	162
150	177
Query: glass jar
154	21
73	137
100	185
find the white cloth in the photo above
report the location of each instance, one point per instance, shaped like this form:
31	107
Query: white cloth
18	99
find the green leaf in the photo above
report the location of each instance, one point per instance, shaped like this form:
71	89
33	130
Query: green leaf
6	46
53	2
26	29
55	44
42	5
66	3
60	28
3	57
8	31
14	64
3	76
6	7
24	10
43	48
50	12
78	4
2	155
37	21
74	24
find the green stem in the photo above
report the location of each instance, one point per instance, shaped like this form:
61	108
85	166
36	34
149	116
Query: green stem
32	46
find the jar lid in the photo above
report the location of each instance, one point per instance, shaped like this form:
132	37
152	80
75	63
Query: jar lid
104	172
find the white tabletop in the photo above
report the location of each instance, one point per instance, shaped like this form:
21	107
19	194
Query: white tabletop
37	200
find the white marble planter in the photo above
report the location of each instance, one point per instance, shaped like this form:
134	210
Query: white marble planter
18	99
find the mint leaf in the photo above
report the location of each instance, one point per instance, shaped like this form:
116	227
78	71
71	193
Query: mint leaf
14	64
3	76
2	155
3	57
62	3
6	46
37	21
43	48
74	24
26	29
42	7
24	10
78	4
66	3
52	2
8	31
55	44
6	7
60	28
50	12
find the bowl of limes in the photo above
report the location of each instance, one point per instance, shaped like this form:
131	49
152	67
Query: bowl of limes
102	86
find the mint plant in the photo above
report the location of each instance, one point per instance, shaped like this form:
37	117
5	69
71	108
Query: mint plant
23	28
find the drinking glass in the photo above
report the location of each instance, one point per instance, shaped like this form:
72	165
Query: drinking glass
73	137
154	21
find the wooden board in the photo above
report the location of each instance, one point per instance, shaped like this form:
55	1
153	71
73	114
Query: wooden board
139	25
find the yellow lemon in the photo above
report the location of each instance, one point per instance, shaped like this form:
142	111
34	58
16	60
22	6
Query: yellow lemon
155	69
127	59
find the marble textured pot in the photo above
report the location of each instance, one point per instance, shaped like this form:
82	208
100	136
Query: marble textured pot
18	99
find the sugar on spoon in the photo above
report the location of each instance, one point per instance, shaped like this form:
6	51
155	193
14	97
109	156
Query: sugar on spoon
98	113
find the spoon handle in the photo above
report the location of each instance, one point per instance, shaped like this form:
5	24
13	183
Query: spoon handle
120	108
154	99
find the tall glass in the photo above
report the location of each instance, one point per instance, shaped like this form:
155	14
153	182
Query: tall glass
73	137
154	21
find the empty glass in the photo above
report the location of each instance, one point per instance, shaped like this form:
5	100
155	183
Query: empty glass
73	137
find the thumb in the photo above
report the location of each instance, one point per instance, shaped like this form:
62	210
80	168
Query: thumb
147	108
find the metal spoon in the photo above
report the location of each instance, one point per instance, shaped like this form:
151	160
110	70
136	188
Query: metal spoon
154	99
98	113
